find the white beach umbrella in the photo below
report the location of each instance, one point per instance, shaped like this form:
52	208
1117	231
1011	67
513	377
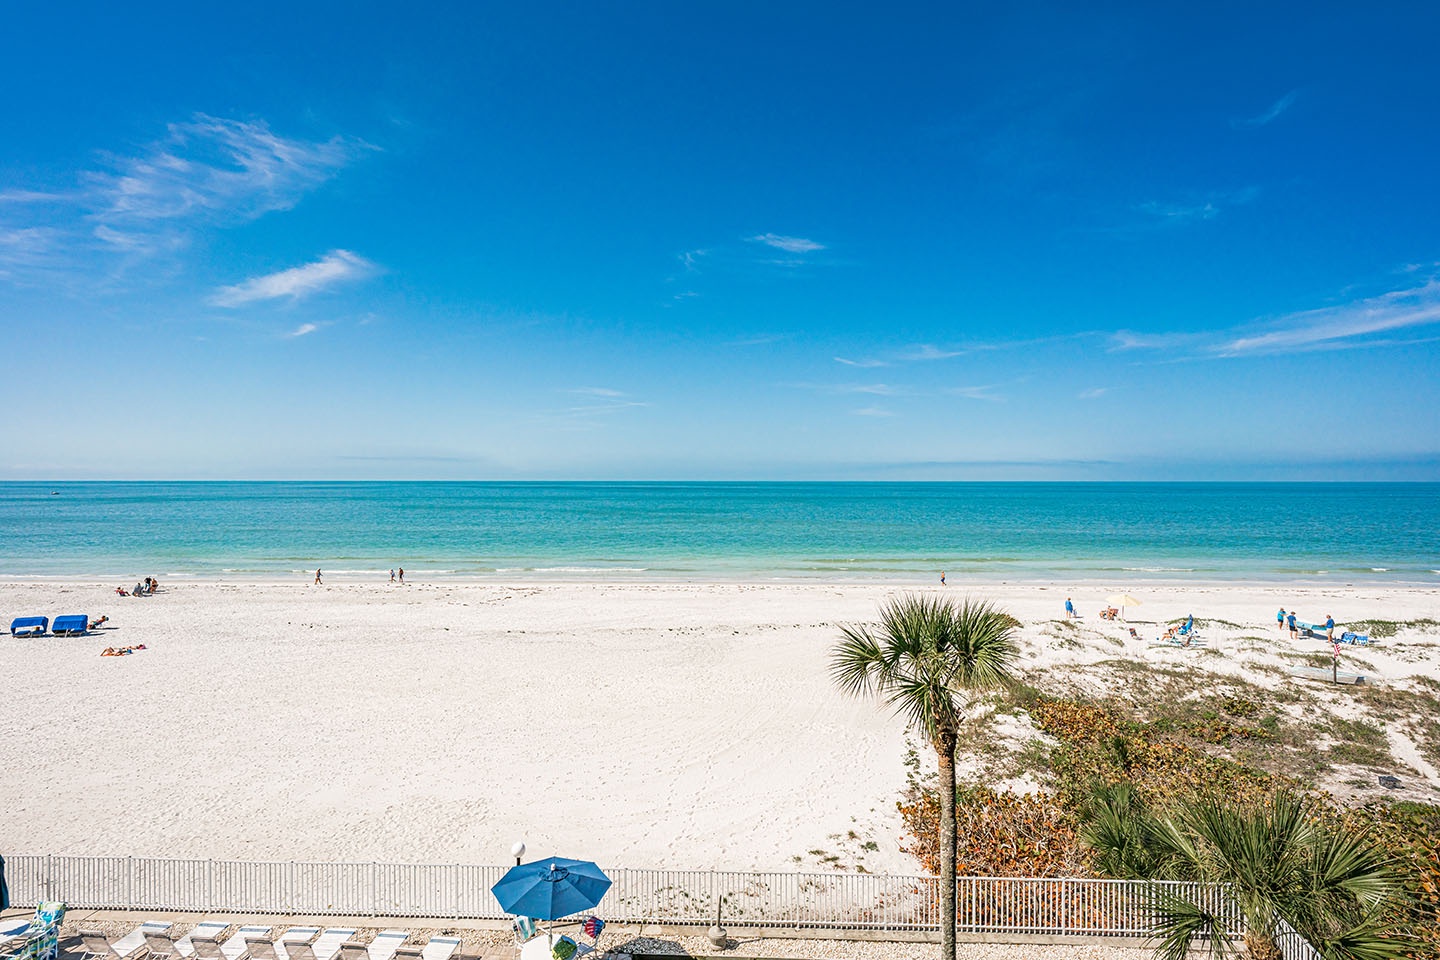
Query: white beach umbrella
1122	600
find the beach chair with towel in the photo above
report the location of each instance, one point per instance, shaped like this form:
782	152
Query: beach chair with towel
1359	639
29	626
75	625
40	938
209	931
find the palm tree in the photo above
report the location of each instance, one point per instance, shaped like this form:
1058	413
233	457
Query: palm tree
1280	862
925	658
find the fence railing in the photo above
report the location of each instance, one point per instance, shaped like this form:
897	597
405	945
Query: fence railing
1081	906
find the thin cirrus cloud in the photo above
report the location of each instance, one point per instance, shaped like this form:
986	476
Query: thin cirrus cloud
1275	109
788	244
204	172
1358	324
303	330
214	169
336	267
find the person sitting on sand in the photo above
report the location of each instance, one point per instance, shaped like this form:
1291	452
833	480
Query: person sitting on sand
1134	635
122	591
139	590
1109	613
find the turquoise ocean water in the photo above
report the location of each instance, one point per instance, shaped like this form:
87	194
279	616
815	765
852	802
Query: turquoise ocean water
893	531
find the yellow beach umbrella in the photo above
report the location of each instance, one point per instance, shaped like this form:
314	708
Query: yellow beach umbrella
1122	600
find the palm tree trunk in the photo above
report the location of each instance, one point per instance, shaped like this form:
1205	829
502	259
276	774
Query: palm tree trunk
945	747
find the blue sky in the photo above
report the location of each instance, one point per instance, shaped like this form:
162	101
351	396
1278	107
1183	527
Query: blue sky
727	240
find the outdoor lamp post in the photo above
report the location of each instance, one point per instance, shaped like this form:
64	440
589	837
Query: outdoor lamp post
517	851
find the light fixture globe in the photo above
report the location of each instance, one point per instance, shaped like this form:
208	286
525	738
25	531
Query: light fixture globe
517	851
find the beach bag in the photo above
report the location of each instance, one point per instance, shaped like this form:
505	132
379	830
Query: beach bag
564	948
524	928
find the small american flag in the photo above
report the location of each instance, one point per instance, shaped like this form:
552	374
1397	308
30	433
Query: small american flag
593	926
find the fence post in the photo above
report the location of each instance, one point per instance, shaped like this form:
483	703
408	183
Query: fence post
374	888
129	883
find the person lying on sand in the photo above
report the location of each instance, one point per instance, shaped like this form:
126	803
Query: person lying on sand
121	651
95	624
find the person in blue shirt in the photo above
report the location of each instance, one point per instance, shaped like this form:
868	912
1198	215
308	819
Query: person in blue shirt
1069	609
1330	628
1290	621
1190	623
1280	619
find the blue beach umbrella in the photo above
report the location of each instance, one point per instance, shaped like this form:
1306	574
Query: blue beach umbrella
551	889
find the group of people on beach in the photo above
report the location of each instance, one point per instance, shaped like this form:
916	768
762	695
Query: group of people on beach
1284	621
145	588
318	581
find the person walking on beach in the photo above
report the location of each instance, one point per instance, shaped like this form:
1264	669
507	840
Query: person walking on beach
942	578
1294	630
1280	620
1069	609
1329	628
392	574
402	574
317	576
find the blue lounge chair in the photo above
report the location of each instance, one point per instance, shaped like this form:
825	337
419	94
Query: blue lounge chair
72	626
29	626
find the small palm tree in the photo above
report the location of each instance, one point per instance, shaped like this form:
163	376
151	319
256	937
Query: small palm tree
925	658
1277	861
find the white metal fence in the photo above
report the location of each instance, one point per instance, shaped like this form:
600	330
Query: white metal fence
795	900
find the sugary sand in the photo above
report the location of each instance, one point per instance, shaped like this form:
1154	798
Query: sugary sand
641	725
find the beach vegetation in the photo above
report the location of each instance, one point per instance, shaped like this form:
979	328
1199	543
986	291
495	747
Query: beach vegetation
927	657
1280	858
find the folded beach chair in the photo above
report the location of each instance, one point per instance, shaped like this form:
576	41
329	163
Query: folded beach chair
440	948
329	942
211	930
29	626
236	947
71	626
385	944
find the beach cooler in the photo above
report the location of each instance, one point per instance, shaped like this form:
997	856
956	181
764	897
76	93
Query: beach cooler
29	626
73	626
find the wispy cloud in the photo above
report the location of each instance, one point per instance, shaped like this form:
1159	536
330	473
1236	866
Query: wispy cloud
788	244
303	330
866	364
873	412
337	266
1206	207
1342	326
1275	109
1345	326
1092	393
214	169
690	259
132	206
927	351
986	392
759	340
597	392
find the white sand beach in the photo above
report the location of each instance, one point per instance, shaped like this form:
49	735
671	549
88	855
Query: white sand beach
642	725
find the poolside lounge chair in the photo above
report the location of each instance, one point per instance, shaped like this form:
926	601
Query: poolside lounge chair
329	942
440	948
385	944
353	950
297	939
206	948
161	945
29	626
75	625
208	930
130	945
236	947
407	952
39	939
